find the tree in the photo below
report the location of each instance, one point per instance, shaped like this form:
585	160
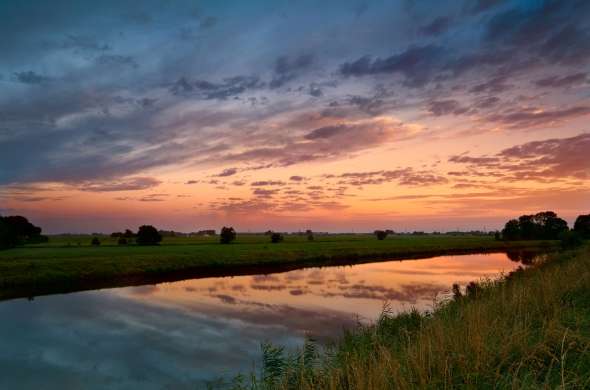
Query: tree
16	230
545	225
275	238
511	230
380	234
8	237
122	241
148	235
309	234
128	234
95	241
227	235
582	226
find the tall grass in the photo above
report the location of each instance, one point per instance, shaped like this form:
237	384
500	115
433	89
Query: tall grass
529	330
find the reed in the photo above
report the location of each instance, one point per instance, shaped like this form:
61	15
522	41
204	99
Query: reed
529	330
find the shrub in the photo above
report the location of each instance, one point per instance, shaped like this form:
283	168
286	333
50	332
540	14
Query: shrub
122	241
571	239
309	234
95	241
148	235
227	235
275	238
582	226
380	234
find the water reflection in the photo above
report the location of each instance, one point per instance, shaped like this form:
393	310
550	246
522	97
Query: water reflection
178	335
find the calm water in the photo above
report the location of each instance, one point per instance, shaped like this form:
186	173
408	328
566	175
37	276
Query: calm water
180	335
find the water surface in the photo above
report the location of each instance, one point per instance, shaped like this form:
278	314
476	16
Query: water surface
184	334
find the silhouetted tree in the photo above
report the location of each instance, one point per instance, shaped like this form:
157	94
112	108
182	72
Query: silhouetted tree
227	235
116	234
122	241
497	236
275	238
95	241
380	234
309	235
545	225
511	230
15	230
582	226
148	235
128	234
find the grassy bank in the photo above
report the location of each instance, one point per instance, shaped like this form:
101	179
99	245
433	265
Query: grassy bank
531	331
69	263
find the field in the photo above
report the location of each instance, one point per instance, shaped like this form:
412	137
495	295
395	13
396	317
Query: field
70	263
530	331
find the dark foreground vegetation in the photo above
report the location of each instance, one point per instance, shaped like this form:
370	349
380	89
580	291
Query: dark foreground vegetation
530	330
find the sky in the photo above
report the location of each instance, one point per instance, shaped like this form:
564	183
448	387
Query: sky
293	114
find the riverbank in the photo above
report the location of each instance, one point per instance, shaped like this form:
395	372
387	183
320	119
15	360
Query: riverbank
531	330
69	264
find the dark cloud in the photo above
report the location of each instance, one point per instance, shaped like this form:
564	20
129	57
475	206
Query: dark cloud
30	77
117	60
436	27
227	172
532	117
446	107
288	68
418	65
559	82
229	87
494	85
296	178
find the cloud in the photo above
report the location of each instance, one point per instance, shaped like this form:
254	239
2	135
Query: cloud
129	184
445	107
405	176
227	172
545	161
288	68
559	82
30	77
418	65
229	87
436	27
113	60
532	117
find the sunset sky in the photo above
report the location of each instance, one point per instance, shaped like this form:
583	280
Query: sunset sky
293	114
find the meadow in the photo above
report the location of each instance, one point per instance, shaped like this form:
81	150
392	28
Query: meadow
530	330
69	263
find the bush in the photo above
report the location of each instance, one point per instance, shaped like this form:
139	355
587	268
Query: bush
227	235
380	234
309	234
122	241
95	241
148	235
275	238
582	226
571	239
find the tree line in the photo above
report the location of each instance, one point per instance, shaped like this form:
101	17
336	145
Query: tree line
545	225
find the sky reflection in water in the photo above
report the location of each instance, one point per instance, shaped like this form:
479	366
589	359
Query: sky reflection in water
178	335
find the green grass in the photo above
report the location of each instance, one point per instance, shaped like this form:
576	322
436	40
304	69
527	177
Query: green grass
530	331
69	263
